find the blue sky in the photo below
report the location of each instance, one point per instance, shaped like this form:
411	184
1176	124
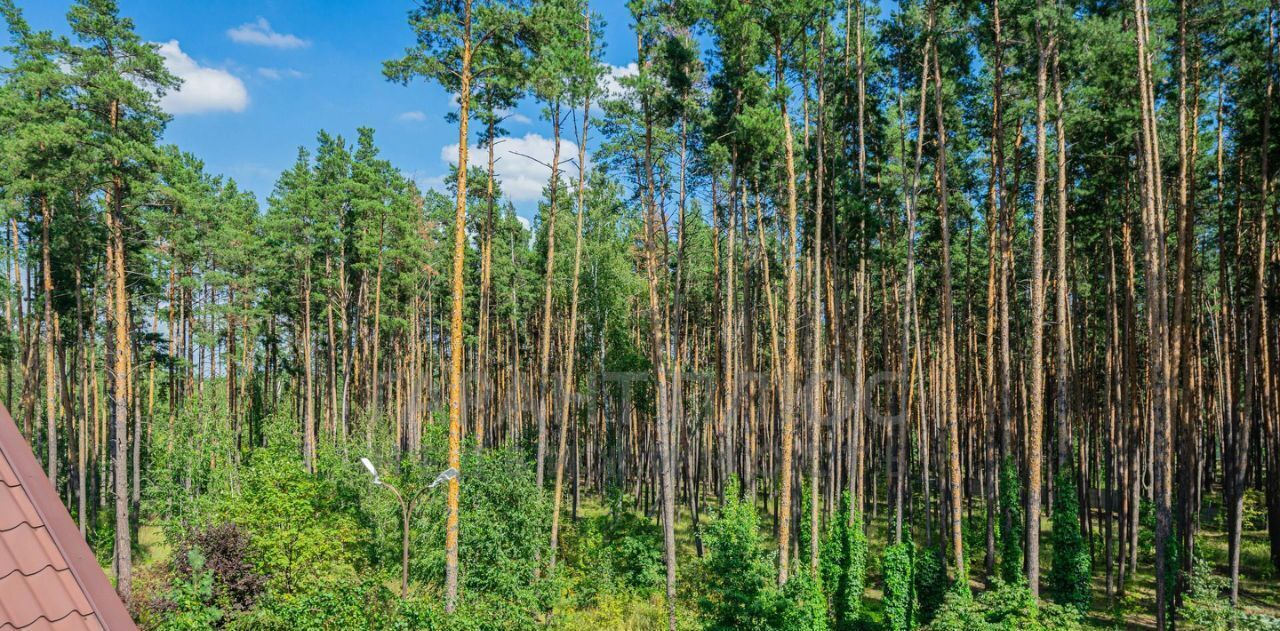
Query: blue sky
264	77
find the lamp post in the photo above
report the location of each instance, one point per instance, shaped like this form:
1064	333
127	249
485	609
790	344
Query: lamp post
406	509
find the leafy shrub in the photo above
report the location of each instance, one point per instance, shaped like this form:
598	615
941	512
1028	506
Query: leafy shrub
1005	607
1011	541
1204	607
1254	515
844	567
930	576
804	607
899	587
1072	567
606	555
337	605
739	575
190	604
225	550
300	538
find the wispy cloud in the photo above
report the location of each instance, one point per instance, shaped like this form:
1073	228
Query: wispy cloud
611	82
411	117
521	164
514	116
260	33
203	89
276	74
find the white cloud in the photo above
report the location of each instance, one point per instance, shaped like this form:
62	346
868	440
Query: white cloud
203	89
507	114
259	33
520	163
411	117
276	74
611	84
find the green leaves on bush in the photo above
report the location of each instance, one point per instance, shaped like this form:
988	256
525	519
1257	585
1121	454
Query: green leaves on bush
844	567
930	576
899	587
740	592
1072	567
1011	532
1004	607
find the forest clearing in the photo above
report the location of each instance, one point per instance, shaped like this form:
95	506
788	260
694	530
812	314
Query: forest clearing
737	314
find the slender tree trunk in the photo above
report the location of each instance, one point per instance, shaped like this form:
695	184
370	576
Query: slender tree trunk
544	367
1035	418
569	385
788	409
455	321
50	380
948	367
817	379
1157	319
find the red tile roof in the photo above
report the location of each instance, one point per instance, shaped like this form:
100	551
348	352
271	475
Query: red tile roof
49	579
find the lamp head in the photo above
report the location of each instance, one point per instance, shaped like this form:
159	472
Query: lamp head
445	476
374	472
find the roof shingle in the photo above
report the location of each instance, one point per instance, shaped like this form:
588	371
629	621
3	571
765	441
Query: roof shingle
49	579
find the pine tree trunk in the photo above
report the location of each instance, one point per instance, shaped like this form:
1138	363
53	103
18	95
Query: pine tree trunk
455	321
1035	418
569	382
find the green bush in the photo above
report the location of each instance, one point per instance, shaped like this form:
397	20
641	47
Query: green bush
1072	568
740	592
1005	607
804	607
190	604
365	604
930	576
1011	541
844	567
611	556
899	587
300	536
1204	606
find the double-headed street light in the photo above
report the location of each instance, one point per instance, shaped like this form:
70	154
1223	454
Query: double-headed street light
406	509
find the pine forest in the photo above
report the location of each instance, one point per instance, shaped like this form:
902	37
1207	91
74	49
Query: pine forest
828	314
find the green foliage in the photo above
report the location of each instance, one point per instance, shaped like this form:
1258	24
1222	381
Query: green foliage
802	533
844	566
1254	515
504	528
190	606
1004	607
849	607
1072	568
355	604
606	556
804	607
302	538
1011	538
739	588
898	567
931	584
1205	606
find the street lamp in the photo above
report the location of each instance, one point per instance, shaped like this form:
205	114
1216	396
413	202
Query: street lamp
406	509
